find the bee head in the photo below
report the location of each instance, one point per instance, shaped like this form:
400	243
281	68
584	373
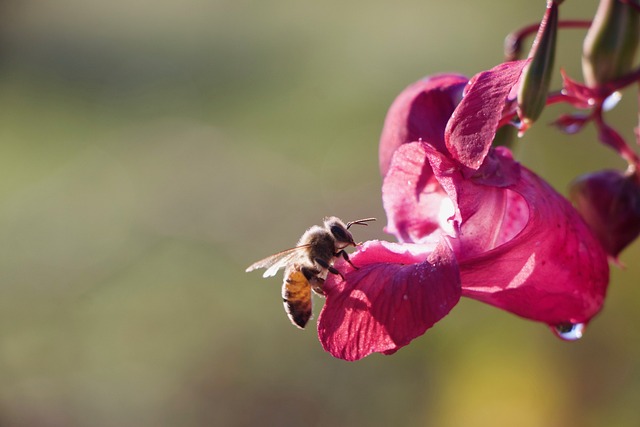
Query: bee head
339	231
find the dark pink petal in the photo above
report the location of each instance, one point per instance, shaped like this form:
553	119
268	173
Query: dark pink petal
554	270
415	203
420	112
474	122
609	201
397	293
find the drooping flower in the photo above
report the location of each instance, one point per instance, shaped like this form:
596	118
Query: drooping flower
470	221
609	201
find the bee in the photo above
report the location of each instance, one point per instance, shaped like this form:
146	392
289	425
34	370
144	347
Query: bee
308	263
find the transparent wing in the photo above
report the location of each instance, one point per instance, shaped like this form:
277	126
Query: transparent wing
277	261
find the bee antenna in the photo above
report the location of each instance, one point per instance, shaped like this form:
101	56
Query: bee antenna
362	221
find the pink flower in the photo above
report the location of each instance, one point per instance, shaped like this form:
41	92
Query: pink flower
609	201
470	220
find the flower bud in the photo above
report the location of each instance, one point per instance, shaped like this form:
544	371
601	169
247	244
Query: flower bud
611	42
609	202
536	77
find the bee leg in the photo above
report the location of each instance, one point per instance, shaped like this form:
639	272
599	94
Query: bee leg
331	269
346	258
310	273
316	285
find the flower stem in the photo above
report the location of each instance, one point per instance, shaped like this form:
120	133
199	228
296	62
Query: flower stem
613	139
513	41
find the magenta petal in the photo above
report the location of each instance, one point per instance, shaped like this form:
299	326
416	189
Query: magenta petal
397	293
553	270
415	203
474	122
420	112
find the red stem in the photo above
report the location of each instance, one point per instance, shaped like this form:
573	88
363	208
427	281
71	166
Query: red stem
513	42
616	142
621	82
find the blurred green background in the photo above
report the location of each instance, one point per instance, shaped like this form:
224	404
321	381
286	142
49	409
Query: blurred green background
151	150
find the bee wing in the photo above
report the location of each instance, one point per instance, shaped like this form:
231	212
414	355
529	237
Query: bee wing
277	261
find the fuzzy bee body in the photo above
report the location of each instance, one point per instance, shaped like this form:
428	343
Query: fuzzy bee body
296	296
307	265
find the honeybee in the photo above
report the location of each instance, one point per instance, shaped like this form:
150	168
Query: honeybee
308	263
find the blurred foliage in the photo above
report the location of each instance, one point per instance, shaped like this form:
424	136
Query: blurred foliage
151	150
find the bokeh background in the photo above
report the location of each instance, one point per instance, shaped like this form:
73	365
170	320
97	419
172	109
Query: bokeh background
151	150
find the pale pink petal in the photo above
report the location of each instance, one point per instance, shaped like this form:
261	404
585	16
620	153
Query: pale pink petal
415	203
482	217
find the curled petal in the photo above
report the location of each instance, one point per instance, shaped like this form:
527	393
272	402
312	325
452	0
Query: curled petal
553	270
395	295
420	112
415	203
426	194
474	122
482	217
